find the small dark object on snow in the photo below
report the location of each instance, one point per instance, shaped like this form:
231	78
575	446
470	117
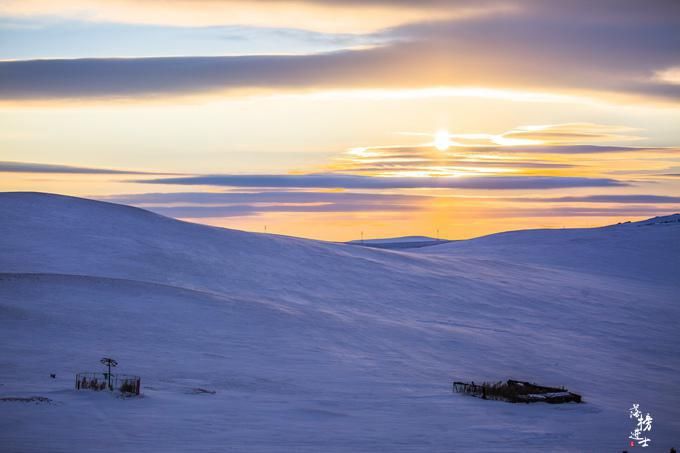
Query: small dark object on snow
517	392
198	391
53	376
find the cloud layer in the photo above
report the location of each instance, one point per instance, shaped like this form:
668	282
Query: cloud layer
232	204
199	205
611	51
338	181
26	167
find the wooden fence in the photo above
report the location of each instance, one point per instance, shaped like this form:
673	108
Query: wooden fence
124	383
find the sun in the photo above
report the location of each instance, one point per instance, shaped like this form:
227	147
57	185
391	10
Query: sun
441	140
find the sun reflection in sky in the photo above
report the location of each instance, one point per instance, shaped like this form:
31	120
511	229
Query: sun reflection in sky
455	155
441	140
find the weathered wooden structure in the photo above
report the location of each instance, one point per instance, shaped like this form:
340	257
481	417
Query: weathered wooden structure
124	383
517	392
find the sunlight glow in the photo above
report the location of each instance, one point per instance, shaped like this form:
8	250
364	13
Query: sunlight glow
670	75
441	140
440	92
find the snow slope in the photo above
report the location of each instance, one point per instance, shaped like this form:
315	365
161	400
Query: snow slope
406	239
314	346
646	250
404	242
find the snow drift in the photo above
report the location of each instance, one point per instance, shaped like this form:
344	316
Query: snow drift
315	346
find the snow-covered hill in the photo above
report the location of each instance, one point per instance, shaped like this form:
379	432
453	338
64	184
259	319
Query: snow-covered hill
646	250
314	346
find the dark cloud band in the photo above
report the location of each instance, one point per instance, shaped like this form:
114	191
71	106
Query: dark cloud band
238	204
25	167
613	199
338	181
543	47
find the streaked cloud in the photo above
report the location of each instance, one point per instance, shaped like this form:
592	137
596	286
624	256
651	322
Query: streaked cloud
669	75
571	133
663	171
587	149
241	210
176	76
618	199
339	181
418	151
544	49
41	38
26	167
521	151
260	197
552	134
630	211
203	205
232	204
350	17
292	197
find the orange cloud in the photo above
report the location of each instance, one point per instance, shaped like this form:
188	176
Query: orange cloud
526	150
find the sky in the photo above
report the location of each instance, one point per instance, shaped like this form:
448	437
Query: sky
332	119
